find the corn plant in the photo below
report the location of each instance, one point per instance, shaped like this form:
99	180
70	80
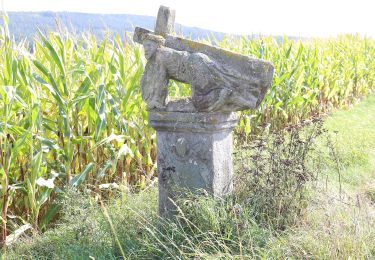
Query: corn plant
71	112
311	76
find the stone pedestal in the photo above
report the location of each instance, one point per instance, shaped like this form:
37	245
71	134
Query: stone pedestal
194	151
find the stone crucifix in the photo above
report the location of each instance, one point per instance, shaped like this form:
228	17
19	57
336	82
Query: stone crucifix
194	135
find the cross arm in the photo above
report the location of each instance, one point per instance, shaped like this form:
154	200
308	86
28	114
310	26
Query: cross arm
139	34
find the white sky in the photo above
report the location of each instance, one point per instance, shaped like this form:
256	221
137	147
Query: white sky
277	17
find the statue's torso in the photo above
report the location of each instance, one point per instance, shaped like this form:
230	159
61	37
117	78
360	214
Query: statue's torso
214	86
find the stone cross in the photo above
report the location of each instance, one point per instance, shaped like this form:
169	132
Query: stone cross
194	135
165	21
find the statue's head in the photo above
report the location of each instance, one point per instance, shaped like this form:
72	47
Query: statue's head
151	43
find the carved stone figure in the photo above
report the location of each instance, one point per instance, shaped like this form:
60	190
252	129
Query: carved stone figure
220	80
214	86
194	135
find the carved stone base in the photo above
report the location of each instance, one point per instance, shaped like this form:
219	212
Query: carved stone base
194	152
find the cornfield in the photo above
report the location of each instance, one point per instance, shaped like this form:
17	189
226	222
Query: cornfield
71	113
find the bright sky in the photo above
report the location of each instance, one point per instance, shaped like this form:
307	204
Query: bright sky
291	17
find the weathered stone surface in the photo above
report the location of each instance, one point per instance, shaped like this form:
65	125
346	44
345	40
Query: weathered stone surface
165	21
194	152
220	80
215	86
180	105
194	135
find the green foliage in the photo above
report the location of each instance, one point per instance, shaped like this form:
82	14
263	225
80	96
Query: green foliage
84	233
311	77
204	228
333	226
272	173
354	145
72	114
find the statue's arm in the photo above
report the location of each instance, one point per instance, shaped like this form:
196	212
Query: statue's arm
175	63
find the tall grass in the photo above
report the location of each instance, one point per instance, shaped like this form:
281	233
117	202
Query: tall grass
71	111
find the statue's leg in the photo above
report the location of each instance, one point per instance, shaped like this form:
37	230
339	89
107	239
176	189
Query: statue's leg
238	102
220	102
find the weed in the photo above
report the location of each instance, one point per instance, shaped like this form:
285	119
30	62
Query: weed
273	172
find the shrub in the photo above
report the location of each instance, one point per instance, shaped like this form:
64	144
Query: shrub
273	171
